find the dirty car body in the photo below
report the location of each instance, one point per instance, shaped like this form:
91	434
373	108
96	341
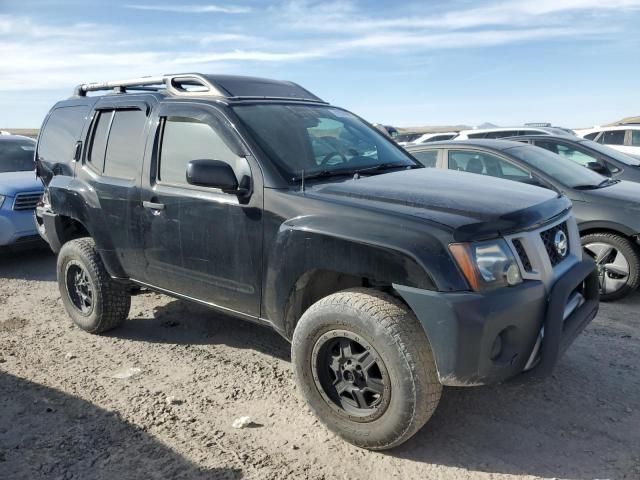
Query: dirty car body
288	233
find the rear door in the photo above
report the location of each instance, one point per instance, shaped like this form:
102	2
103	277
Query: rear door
112	165
200	242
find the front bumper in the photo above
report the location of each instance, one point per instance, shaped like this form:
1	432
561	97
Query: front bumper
16	227
487	338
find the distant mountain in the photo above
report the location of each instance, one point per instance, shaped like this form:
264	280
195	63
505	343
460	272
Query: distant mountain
488	125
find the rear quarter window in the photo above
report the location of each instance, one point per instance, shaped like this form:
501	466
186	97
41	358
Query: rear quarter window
60	134
427	158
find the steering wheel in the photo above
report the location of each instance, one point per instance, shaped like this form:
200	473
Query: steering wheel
329	156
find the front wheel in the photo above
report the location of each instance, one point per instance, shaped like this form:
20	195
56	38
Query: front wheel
618	263
94	301
364	366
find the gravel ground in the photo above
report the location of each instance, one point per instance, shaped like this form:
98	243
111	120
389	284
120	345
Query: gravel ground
64	415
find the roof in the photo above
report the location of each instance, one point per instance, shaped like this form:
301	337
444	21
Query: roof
491	144
15	138
231	87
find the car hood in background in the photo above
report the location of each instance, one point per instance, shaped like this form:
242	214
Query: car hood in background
623	194
12	183
473	206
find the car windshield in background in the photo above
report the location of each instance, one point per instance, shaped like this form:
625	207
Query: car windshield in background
319	140
559	168
612	152
16	156
407	137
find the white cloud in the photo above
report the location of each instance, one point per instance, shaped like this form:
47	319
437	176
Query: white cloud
343	16
230	9
38	55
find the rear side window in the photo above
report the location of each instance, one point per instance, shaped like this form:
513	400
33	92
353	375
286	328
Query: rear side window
99	141
117	146
477	135
439	138
591	136
502	134
635	138
427	158
60	134
613	137
185	139
125	147
485	164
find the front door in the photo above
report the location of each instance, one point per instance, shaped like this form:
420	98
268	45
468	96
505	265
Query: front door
201	242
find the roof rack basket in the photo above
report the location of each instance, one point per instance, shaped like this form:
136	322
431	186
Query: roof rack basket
184	84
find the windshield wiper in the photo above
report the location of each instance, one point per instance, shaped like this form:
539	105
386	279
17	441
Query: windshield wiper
350	171
605	183
321	174
383	166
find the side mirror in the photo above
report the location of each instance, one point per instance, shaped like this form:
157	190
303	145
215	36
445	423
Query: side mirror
214	174
599	168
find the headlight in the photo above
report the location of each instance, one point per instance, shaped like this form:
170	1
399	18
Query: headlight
487	265
1	200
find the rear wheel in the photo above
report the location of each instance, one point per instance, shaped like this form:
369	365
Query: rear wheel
94	301
618	263
364	366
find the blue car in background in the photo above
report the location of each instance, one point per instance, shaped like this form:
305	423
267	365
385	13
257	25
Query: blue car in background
20	192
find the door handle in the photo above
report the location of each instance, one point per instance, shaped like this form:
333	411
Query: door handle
153	206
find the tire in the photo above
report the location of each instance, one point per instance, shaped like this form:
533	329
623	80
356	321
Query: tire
397	341
94	301
624	258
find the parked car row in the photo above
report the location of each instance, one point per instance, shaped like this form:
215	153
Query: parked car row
607	210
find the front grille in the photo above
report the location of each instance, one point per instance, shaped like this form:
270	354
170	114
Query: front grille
548	238
26	201
524	258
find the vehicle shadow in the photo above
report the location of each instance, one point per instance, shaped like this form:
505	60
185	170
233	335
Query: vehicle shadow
37	264
46	433
576	424
184	323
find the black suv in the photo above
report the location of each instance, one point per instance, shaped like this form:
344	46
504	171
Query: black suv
256	198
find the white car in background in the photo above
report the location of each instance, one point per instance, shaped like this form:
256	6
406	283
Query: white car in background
505	132
434	137
625	138
419	138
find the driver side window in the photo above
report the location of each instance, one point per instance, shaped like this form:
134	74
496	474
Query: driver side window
486	164
333	143
185	139
566	151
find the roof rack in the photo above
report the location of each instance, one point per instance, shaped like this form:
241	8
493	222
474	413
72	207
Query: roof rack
538	124
231	87
181	84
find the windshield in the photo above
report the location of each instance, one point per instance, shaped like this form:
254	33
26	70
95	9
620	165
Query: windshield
612	152
318	139
559	168
16	156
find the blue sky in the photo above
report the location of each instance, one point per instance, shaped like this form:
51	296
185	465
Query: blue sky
571	62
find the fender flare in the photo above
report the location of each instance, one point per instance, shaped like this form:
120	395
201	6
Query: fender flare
74	199
308	244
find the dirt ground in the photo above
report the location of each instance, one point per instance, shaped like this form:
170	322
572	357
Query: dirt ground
63	415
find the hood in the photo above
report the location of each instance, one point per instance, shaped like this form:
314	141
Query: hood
12	183
473	206
623	194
